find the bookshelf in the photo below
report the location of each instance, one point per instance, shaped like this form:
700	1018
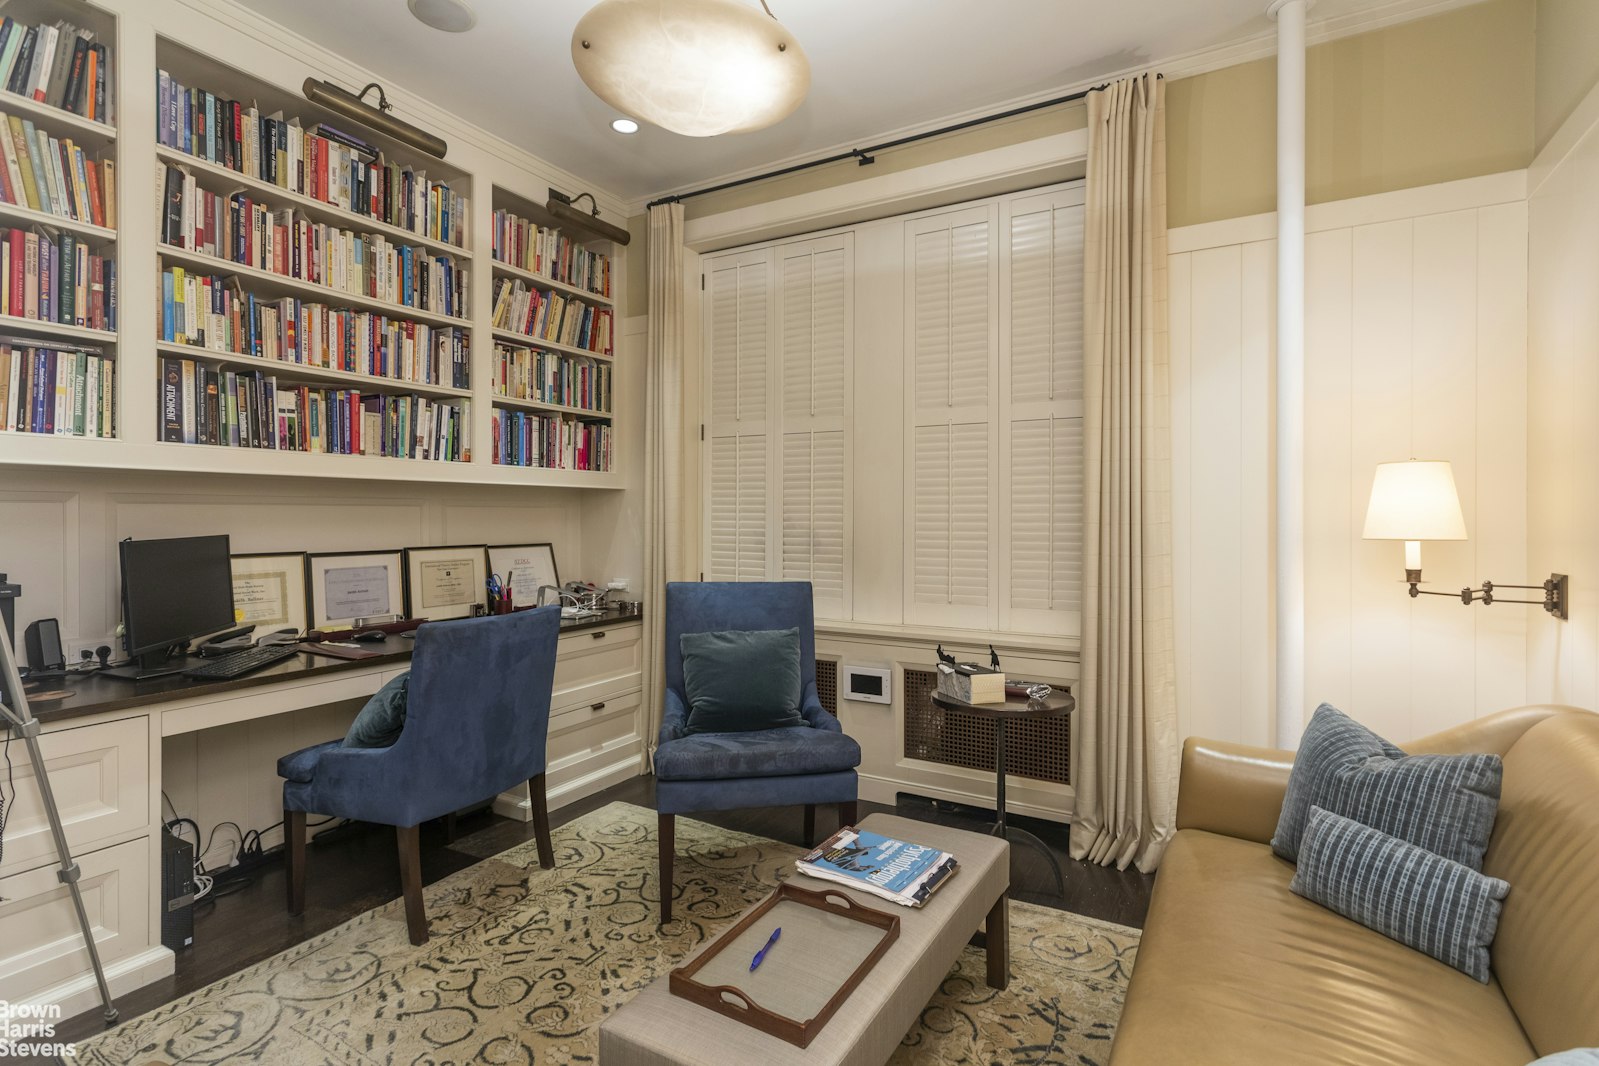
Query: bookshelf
59	364
137	143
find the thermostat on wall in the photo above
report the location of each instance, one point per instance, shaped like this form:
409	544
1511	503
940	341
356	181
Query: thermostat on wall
867	684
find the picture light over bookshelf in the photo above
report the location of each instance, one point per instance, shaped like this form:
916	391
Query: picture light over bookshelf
561	206
354	106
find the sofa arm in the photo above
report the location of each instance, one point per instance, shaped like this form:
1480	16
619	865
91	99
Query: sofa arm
1232	789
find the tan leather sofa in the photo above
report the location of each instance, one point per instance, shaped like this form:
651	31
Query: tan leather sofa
1234	969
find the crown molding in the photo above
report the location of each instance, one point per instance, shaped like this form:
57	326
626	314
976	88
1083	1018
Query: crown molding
343	70
1258	45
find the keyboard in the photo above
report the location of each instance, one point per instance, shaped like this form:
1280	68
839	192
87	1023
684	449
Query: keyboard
237	664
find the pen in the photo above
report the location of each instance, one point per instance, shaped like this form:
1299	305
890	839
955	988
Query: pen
761	954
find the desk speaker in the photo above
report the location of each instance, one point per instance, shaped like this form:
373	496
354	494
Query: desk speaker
44	645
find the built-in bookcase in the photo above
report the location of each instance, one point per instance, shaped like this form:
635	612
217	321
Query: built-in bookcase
555	333
58	223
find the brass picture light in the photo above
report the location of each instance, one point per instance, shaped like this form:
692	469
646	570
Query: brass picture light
354	106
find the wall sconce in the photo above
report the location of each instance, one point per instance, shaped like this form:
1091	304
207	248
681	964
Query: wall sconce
354	106
1415	501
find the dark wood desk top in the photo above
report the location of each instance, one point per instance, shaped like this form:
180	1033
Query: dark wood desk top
93	694
1056	704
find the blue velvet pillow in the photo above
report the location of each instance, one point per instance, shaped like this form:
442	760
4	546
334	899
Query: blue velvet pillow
737	680
380	721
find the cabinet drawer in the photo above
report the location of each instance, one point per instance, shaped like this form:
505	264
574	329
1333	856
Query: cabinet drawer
583	658
40	945
100	775
598	709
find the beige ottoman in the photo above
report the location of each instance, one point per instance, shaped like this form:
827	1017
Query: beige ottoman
658	1027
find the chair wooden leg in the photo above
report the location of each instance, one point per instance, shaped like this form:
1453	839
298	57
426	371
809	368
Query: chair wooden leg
416	919
996	942
294	849
847	814
541	820
667	845
449	828
810	824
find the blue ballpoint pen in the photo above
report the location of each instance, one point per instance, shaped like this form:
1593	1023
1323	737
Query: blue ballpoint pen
761	954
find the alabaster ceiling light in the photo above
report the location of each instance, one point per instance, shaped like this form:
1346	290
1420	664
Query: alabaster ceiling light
695	67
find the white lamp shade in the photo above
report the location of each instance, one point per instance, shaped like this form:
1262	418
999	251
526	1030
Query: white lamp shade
1415	500
696	67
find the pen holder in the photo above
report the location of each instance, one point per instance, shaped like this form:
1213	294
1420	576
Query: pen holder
502	606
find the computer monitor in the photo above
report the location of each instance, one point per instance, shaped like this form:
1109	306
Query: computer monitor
172	591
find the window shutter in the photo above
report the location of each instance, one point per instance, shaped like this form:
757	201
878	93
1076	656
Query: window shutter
1043	341
738	329
950	333
815	347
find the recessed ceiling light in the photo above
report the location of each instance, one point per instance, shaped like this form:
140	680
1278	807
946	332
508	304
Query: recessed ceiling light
624	125
451	16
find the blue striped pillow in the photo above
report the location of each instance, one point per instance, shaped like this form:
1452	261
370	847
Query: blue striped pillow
1438	907
1444	803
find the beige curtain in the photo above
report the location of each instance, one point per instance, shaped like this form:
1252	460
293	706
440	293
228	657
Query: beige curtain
663	447
1124	764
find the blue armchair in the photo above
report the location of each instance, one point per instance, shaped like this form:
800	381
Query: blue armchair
476	722
809	764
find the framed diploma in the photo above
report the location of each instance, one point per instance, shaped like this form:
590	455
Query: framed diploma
352	588
524	567
269	591
444	582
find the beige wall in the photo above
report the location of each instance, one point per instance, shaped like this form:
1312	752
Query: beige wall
1428	101
1568	60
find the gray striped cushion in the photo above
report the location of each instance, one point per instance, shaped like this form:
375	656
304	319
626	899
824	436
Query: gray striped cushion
1444	803
1401	891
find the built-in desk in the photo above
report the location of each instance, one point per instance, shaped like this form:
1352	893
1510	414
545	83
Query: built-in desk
103	748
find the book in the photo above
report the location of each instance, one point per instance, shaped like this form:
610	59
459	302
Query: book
971	683
60	391
897	870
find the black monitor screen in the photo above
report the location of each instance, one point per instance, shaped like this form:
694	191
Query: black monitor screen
174	590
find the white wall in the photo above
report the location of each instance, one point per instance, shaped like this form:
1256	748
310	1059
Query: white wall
1563	398
1416	346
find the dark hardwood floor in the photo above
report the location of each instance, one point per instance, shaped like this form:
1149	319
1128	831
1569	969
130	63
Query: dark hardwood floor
355	870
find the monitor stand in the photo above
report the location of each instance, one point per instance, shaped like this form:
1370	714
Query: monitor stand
146	667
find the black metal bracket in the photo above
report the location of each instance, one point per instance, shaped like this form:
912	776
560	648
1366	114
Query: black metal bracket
1555	600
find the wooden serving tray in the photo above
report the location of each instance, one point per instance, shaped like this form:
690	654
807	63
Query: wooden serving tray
829	944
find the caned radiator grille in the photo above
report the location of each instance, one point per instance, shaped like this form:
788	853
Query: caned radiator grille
827	685
1040	748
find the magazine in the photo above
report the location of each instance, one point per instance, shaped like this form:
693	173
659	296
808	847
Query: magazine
896	870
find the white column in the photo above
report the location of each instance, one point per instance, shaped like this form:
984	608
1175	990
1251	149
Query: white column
1290	16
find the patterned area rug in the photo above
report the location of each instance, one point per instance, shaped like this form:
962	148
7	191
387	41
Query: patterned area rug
525	963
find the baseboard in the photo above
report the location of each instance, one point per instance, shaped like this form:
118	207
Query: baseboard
82	993
624	767
885	790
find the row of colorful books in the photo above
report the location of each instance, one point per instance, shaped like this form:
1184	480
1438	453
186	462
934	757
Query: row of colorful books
320	162
55	176
215	312
550	316
205	404
285	242
548	251
67	392
54	277
522	438
551	377
59	65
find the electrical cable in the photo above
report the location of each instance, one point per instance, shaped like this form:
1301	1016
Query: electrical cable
6	802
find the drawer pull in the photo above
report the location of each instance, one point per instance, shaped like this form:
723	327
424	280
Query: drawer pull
600	706
600	635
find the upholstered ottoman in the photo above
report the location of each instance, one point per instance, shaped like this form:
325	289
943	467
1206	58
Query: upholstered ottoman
658	1027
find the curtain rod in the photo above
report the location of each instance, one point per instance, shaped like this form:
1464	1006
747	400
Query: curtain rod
864	155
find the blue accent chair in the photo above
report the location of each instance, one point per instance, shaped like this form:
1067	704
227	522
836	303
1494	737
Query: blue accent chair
476	723
809	764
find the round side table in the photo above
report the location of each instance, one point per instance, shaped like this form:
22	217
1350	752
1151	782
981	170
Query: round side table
1015	708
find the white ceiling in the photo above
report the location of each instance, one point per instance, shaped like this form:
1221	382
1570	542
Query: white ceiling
877	66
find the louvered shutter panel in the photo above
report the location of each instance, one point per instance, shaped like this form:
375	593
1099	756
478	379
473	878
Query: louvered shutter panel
1043	359
950	337
738	327
815	333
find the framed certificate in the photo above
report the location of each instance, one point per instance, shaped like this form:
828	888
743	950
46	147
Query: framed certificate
524	567
269	591
444	582
353	588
